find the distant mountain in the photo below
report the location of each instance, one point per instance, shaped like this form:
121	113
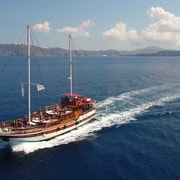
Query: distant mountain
21	49
166	53
156	51
149	50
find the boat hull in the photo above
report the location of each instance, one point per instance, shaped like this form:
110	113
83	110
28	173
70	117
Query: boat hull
48	133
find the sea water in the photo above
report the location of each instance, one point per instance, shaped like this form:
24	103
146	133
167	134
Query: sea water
135	134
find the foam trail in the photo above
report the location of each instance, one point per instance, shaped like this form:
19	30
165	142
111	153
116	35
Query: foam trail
113	111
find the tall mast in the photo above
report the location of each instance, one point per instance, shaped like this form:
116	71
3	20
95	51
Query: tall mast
70	63
29	73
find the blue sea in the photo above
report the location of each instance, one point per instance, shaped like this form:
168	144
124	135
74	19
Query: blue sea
135	135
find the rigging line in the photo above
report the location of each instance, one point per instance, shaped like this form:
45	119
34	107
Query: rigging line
39	69
38	44
37	62
20	72
23	35
8	62
55	74
34	37
53	93
4	66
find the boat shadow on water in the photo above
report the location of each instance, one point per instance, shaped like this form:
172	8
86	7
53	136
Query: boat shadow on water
5	152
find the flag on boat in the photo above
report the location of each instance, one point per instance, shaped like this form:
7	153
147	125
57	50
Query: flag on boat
40	87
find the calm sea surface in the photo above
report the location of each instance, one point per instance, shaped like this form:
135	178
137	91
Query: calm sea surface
136	134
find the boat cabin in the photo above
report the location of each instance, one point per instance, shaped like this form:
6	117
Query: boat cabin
75	100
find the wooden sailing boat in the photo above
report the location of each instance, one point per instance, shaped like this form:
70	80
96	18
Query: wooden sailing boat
52	121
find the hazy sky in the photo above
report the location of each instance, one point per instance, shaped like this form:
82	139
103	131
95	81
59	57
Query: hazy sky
94	24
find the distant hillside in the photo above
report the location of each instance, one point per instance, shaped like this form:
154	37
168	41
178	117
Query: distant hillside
167	53
149	50
21	50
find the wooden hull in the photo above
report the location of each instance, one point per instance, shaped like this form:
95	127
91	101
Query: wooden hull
47	133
